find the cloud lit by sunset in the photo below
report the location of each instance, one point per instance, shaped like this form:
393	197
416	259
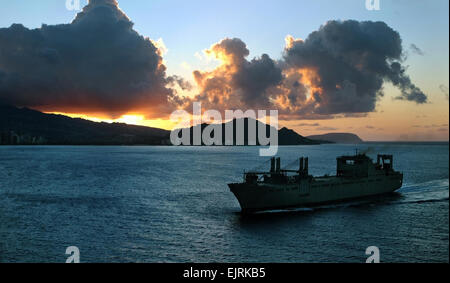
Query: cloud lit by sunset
344	75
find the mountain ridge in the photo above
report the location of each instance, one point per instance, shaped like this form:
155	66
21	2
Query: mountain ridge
24	126
285	136
342	138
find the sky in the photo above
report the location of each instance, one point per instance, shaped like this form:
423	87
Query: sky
183	30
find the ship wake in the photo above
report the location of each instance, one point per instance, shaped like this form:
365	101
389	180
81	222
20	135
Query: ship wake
420	193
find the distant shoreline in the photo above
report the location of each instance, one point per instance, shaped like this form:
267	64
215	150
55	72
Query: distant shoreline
407	142
187	146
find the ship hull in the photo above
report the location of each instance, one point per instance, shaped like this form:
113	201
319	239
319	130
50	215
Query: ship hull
312	191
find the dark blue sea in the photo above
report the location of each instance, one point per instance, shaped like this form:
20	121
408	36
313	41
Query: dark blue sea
172	204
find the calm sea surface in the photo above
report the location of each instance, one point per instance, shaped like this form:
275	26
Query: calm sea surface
172	204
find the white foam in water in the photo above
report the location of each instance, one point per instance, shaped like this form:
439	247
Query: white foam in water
442	183
298	209
435	190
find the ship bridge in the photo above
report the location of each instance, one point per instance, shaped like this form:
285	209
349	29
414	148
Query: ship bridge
361	165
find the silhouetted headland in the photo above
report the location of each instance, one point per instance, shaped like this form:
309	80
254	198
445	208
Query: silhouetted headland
23	126
345	138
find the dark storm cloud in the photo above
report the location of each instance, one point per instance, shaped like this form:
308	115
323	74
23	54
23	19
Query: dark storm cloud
408	90
352	60
234	49
338	71
255	78
97	64
179	81
237	82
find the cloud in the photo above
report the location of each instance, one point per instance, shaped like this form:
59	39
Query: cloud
237	82
327	129
99	64
430	126
444	90
408	90
350	61
161	46
337	71
416	49
96	64
175	80
307	125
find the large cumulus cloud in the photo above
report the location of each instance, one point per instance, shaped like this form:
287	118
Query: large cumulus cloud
338	70
352	60
237	81
96	64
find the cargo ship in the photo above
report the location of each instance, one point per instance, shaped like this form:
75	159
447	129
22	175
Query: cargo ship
357	176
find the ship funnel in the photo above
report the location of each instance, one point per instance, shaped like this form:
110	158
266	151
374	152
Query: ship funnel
272	164
306	165
278	166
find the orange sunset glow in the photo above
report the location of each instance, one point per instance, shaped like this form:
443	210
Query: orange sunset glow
130	119
363	76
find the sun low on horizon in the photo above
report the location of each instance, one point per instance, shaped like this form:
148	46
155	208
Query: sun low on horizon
375	73
131	119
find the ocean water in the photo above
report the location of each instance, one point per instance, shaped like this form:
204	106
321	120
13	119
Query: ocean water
172	204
